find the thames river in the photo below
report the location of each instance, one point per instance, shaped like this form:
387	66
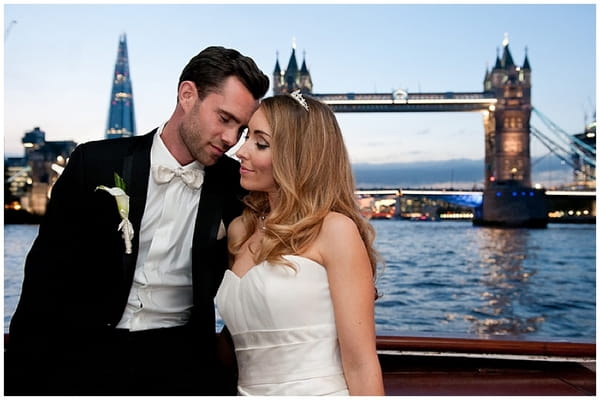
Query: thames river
451	278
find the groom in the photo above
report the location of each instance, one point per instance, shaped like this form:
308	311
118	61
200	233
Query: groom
95	317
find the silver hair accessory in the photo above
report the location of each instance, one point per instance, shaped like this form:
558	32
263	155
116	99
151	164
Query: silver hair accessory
296	95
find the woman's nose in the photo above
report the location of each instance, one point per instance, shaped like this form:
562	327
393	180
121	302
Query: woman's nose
241	153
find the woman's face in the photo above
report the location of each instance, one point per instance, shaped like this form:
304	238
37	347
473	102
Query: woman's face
255	155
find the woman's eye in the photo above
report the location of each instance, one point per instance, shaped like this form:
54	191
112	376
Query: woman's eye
257	140
262	146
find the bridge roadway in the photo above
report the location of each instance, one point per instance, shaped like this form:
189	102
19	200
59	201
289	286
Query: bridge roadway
467	198
401	101
446	192
459	197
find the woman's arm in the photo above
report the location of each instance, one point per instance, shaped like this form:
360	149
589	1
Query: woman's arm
353	294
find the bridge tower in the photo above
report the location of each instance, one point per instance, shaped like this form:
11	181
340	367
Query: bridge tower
509	199
292	78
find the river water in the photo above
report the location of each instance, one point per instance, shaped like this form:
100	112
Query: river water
451	278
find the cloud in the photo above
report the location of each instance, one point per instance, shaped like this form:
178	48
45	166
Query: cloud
456	173
416	174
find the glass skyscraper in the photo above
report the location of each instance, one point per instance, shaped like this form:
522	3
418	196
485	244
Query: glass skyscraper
121	117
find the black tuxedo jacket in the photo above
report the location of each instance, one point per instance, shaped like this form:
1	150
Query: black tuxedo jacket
77	275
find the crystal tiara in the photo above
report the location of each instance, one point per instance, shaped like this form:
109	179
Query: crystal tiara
296	95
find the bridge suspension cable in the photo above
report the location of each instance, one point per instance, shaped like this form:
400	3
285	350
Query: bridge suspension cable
571	145
554	147
561	153
564	135
565	152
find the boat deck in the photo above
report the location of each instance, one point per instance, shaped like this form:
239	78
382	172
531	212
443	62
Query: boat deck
454	376
462	366
416	366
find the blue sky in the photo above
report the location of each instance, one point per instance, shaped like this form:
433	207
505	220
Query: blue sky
59	60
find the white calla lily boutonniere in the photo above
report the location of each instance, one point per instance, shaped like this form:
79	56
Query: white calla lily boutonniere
118	192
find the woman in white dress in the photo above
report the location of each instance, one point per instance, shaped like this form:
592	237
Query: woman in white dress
299	297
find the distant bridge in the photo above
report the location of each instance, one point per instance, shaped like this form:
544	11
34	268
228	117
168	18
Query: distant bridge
470	198
459	197
401	101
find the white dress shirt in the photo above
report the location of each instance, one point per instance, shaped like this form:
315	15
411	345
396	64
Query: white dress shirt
161	294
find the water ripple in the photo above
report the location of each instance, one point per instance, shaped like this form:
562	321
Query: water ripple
453	278
456	278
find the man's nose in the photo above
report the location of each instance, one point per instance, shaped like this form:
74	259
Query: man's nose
230	137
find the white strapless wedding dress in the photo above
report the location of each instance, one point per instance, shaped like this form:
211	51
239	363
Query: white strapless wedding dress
283	328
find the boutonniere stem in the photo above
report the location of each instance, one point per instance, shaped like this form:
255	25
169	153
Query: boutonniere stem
122	199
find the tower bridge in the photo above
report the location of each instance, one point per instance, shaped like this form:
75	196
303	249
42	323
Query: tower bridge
505	105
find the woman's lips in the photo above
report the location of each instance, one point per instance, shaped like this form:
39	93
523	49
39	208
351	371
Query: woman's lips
244	170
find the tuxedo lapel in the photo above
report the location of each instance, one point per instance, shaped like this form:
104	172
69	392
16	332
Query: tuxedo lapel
209	256
139	165
209	211
136	170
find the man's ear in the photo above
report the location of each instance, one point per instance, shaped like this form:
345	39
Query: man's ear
187	94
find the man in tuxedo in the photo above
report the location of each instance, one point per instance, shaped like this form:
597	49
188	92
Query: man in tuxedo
95	317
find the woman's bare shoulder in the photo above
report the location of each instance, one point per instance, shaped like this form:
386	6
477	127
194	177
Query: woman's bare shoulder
337	223
337	231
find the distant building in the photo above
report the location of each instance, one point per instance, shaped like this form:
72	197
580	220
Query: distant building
17	181
292	78
121	117
585	172
28	180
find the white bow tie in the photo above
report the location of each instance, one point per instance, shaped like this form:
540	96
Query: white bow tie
191	177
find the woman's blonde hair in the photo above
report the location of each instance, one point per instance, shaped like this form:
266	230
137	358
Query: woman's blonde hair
313	174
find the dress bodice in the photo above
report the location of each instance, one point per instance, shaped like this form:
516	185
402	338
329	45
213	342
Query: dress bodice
282	323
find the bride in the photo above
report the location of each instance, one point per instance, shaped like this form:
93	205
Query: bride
299	297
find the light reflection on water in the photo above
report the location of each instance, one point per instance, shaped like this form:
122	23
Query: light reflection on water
505	277
453	278
445	278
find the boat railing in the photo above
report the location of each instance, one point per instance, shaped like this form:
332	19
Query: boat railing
504	348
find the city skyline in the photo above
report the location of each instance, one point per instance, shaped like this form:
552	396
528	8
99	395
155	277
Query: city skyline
58	71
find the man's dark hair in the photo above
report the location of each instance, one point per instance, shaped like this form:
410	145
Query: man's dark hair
209	68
